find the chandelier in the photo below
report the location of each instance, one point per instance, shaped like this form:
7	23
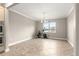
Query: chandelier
44	17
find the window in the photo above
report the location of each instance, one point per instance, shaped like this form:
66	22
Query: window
49	26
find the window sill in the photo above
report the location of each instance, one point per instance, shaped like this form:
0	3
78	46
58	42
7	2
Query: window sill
50	32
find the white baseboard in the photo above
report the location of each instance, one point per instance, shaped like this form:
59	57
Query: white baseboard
61	38
7	49
58	38
19	41
70	43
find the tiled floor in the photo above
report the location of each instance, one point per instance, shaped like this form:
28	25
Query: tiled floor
41	47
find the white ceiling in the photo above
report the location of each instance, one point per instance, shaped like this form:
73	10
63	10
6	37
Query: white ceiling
37	10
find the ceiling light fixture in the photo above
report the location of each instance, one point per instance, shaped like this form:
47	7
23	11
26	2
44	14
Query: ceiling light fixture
44	17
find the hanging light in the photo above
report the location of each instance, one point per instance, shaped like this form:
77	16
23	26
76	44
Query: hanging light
44	17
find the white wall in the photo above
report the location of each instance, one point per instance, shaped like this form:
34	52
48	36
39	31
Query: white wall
77	28
61	28
71	28
20	28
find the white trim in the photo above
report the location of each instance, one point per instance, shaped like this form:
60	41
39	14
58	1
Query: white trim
70	43
19	41
8	4
7	49
72	8
58	38
22	14
61	38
